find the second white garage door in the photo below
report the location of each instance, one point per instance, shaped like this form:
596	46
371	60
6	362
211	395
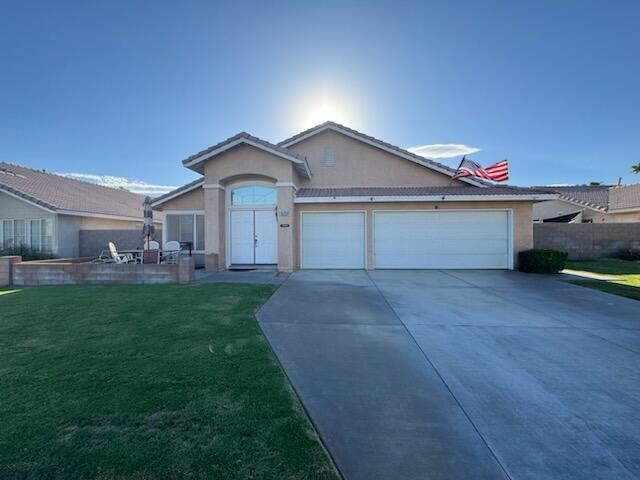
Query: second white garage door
460	239
333	240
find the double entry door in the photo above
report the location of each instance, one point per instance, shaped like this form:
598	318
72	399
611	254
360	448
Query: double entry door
254	237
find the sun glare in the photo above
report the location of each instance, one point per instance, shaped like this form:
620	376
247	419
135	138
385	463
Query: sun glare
322	113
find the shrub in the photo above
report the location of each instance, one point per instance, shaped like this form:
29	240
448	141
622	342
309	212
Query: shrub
26	253
542	261
632	254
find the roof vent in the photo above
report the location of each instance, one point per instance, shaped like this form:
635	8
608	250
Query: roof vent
328	160
4	171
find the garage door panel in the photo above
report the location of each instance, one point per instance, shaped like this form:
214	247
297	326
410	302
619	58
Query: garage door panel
464	239
333	240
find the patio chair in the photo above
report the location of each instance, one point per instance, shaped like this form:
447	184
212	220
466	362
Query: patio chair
151	245
104	257
120	258
171	252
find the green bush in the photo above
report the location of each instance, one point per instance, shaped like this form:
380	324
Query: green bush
631	254
26	253
542	261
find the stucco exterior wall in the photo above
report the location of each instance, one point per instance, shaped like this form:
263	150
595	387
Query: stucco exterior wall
214	228
286	235
627	217
246	160
356	164
67	231
521	219
193	200
11	207
67	235
90	223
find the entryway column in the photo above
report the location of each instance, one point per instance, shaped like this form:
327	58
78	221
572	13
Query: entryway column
214	227
286	227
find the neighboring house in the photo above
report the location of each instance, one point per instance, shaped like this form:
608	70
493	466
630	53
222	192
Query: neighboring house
590	204
45	211
332	197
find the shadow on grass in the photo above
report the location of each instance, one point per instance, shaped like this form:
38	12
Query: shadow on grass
606	267
628	291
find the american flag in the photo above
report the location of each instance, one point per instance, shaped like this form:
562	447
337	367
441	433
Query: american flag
498	172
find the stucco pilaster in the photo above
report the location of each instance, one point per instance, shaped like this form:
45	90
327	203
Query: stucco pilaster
214	208
286	228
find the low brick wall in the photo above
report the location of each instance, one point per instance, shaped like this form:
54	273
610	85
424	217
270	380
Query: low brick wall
92	242
72	272
587	241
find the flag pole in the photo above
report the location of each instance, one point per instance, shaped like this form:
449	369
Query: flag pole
453	177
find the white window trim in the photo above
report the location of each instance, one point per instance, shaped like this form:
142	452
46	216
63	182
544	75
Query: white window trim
229	208
183	212
27	231
253	206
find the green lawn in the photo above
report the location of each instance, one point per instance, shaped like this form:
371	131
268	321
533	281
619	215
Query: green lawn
147	382
622	278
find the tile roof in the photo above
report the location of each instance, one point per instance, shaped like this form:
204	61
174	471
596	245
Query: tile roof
302	166
593	196
415	191
55	192
401	151
606	198
624	197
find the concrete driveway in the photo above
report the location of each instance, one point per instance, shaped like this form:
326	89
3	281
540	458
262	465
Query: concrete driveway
462	374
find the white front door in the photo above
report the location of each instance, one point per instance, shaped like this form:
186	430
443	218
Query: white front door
456	239
333	240
266	234
242	240
254	237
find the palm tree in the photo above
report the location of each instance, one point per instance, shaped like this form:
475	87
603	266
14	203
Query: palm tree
635	168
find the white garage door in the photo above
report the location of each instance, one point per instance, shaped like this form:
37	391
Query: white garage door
461	239
333	240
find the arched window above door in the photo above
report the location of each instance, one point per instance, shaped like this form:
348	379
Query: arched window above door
254	195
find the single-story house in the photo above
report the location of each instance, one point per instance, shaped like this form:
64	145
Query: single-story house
590	204
46	212
332	197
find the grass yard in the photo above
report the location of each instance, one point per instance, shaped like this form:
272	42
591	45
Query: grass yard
622	277
147	382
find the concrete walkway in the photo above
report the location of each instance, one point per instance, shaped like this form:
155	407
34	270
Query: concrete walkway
462	374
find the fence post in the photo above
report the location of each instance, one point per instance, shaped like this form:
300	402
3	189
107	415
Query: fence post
6	268
186	269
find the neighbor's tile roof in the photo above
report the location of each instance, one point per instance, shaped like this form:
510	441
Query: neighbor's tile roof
381	143
594	196
55	192
624	197
302	168
606	198
415	191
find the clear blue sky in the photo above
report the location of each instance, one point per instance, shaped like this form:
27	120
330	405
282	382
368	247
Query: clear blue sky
130	88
